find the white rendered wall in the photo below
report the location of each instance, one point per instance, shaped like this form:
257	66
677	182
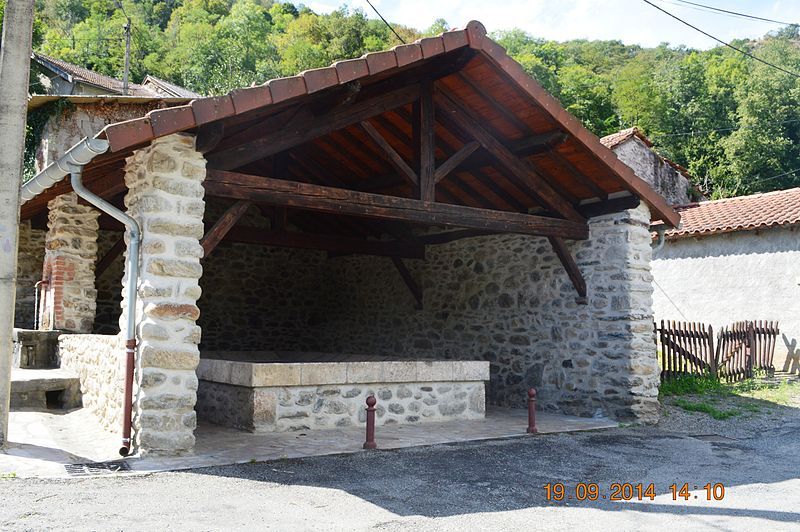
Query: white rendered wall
720	279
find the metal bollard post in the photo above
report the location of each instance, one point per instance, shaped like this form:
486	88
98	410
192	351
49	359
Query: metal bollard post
532	411
370	443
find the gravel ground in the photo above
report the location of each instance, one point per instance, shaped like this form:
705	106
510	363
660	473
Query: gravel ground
480	486
745	425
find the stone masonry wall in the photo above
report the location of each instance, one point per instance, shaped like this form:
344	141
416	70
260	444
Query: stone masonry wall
29	271
504	298
109	296
69	261
165	195
508	300
99	362
297	408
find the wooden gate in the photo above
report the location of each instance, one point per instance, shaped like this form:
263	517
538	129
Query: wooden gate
741	348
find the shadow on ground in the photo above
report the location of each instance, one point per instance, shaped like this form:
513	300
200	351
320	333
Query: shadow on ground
505	475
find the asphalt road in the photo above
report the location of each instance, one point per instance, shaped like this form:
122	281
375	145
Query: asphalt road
480	486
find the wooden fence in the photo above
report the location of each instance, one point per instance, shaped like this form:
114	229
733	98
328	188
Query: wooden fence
733	355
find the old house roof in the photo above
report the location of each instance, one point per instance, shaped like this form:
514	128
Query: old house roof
743	213
74	73
165	88
615	139
507	144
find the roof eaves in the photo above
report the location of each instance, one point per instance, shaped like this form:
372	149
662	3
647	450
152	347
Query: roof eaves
162	122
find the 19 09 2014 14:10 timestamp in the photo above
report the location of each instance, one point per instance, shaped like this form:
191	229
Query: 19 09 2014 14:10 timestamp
625	491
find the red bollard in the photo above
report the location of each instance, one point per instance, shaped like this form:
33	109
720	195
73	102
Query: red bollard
370	443
532	411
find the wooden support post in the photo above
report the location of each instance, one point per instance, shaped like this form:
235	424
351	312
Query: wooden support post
416	289
215	235
560	247
108	259
427	142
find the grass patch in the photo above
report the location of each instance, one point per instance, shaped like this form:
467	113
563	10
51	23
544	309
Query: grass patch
706	408
7	476
692	385
720	400
785	393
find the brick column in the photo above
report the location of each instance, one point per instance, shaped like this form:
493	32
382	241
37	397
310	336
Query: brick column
70	254
165	195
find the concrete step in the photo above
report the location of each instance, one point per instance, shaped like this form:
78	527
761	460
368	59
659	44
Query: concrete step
45	389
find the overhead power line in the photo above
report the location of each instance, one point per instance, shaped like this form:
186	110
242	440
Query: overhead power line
706	131
386	22
734	13
743	52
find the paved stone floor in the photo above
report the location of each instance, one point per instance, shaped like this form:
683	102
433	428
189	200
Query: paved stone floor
41	443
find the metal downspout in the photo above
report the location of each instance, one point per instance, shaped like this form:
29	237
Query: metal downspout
133	280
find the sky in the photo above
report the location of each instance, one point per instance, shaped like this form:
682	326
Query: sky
631	21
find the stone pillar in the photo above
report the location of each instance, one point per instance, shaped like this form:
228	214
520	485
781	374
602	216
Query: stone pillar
30	262
165	195
624	371
69	260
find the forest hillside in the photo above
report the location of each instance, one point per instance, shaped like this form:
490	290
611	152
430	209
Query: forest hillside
732	121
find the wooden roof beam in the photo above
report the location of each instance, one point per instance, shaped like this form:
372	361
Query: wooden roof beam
308	127
519	167
349	202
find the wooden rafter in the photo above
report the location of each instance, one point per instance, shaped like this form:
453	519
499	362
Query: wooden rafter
456	159
392	156
413	286
574	273
349	202
519	167
221	228
309	127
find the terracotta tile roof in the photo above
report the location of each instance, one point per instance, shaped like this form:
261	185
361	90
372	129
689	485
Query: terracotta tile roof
85	75
615	139
743	213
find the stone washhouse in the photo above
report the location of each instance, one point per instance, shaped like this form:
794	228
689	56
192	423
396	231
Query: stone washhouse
425	224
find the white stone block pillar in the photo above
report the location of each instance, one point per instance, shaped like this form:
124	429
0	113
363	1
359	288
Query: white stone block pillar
70	298
165	195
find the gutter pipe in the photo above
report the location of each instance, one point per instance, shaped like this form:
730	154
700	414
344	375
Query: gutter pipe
72	163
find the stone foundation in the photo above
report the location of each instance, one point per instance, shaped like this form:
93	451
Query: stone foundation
99	362
283	397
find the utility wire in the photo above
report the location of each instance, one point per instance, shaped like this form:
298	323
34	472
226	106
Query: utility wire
692	133
790	172
385	22
743	52
734	13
